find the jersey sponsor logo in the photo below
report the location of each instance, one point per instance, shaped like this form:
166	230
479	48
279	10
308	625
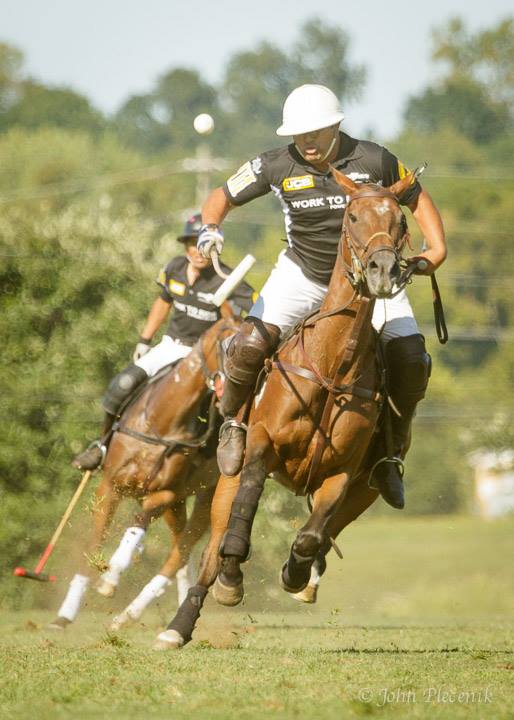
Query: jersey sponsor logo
197	313
299	182
177	288
205	297
334	202
358	176
241	179
257	165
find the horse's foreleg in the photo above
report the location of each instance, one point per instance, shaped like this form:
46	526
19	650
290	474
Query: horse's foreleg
296	572
358	498
105	504
235	550
152	507
180	629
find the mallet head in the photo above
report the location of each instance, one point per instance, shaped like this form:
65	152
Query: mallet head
29	574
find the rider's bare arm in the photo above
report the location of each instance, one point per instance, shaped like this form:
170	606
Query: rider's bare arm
430	223
215	208
157	315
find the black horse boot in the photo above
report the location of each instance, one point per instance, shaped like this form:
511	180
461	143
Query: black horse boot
119	390
408	371
246	353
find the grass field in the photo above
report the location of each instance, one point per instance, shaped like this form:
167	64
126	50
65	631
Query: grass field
415	622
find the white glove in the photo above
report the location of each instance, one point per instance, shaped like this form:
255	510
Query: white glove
142	348
210	238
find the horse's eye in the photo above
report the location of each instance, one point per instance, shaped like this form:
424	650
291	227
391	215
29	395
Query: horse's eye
352	217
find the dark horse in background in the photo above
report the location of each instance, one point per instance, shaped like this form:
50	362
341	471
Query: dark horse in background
312	424
158	456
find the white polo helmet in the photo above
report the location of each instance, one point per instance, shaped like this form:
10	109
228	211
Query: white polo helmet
308	108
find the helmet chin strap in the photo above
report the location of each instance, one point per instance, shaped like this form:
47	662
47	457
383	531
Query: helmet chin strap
330	148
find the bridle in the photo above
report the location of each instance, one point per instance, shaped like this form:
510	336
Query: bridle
360	260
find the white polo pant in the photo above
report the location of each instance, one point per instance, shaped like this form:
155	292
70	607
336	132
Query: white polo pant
166	352
287	295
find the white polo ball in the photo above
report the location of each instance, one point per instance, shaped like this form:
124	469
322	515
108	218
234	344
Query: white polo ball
203	124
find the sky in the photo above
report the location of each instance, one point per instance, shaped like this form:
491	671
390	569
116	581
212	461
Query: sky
111	49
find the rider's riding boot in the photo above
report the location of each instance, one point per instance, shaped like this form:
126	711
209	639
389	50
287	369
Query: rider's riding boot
246	353
119	390
408	371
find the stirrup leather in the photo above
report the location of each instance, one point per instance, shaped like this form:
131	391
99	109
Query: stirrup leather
394	460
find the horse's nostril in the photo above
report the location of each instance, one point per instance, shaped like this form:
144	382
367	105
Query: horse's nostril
373	265
396	269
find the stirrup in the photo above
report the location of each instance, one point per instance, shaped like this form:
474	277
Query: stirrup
102	448
231	422
394	460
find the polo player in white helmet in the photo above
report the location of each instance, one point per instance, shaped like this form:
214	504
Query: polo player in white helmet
313	207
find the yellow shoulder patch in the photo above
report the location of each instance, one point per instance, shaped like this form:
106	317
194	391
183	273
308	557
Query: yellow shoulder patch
177	287
403	171
161	277
300	182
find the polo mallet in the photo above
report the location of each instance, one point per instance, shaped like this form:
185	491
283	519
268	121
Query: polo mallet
232	280
37	573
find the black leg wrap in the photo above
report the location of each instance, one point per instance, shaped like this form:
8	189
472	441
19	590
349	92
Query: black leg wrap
121	387
297	570
188	613
237	538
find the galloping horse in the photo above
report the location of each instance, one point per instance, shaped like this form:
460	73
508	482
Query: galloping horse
157	457
312	423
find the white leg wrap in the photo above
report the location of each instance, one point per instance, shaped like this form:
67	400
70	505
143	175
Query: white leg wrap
315	577
122	557
75	595
185	580
154	589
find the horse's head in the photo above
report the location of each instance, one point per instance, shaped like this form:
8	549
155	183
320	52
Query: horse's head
374	234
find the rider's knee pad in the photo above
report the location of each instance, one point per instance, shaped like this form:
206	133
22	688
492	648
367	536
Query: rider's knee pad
248	349
408	366
121	387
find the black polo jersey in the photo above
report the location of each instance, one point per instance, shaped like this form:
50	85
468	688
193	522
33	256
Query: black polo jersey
193	310
312	202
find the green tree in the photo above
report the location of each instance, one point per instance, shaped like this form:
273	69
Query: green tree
163	118
11	61
41	106
477	88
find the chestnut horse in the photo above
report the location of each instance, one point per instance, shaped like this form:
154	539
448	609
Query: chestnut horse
157	456
312	423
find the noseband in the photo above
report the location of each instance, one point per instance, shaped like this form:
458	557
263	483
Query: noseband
360	261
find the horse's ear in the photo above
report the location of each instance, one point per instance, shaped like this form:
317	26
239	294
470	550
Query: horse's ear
399	187
348	185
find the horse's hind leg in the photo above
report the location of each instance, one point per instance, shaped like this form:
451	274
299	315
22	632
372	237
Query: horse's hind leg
228	589
180	629
152	507
296	572
105	504
176	519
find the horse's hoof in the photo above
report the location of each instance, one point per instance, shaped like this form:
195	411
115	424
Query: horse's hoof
120	621
169	640
286	587
226	594
106	589
307	595
60	623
